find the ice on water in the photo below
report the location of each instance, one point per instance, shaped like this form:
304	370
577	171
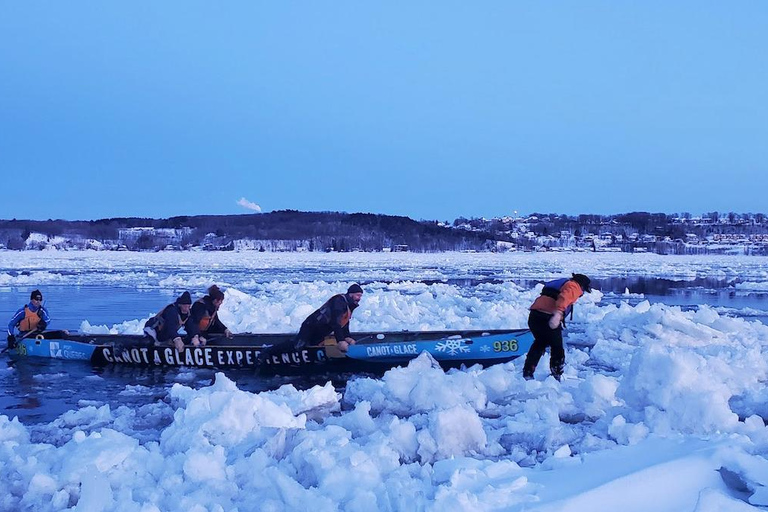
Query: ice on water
660	409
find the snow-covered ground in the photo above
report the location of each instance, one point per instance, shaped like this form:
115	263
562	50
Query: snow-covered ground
660	409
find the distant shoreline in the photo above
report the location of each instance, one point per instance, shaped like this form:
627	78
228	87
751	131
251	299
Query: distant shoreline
294	231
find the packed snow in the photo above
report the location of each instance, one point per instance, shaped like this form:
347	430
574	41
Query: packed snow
660	408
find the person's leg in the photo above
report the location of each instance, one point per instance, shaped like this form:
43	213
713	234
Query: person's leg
557	362
297	342
537	323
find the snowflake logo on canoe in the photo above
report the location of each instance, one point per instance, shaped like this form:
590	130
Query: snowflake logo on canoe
452	347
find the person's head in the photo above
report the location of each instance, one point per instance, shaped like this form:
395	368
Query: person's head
216	295
36	298
583	281
355	293
184	302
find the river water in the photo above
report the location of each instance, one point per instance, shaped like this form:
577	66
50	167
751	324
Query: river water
41	390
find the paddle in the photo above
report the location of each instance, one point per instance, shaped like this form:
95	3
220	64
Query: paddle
332	349
30	333
377	336
214	338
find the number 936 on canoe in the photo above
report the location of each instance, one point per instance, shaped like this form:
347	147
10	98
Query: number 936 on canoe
506	346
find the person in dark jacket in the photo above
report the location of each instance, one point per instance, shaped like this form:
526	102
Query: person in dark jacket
204	318
331	317
33	317
163	328
546	322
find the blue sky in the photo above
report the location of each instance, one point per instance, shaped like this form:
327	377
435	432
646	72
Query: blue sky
432	110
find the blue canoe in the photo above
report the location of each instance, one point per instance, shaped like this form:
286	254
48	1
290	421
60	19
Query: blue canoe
374	351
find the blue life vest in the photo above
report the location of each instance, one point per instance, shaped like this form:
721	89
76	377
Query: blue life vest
552	289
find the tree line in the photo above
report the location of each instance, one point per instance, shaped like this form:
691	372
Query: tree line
313	231
291	230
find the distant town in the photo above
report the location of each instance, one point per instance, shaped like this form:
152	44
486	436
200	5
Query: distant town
289	230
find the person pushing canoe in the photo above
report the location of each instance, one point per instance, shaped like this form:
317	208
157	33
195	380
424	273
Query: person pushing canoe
331	317
546	320
204	318
163	328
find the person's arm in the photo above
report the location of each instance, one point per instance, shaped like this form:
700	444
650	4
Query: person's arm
193	322
45	319
15	321
569	294
345	330
170	324
338	309
217	325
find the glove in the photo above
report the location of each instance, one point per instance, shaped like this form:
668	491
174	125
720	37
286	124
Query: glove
11	339
41	325
556	319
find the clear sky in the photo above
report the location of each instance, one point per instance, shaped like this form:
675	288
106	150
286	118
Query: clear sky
432	110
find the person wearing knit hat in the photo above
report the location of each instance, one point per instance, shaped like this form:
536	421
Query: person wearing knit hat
31	318
331	318
163	328
546	320
204	318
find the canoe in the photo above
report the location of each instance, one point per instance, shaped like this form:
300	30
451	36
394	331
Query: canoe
373	352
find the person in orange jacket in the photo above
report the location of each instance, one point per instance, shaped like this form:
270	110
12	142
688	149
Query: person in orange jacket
546	322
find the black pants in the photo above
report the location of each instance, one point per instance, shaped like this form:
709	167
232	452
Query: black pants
298	342
544	336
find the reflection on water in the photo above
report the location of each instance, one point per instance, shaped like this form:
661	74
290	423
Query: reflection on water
40	390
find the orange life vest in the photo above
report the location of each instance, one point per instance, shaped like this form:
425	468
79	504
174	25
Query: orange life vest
344	319
207	319
30	321
347	315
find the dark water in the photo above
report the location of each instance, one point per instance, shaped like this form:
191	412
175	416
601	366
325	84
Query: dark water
39	390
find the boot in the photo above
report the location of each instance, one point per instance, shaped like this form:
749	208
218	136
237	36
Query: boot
528	372
557	370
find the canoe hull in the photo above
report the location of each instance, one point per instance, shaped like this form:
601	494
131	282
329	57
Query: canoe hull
380	352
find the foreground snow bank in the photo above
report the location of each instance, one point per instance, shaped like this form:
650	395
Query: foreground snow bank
227	449
663	396
660	409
